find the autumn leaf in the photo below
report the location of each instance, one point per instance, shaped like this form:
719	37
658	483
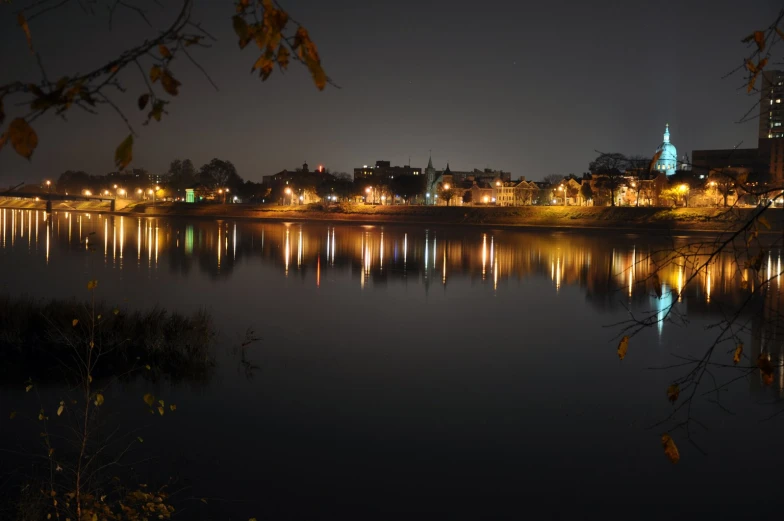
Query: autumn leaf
155	73
162	403
23	138
165	52
766	369
74	322
22	22
738	352
170	84
27	389
759	39
124	153
92	284
751	67
265	66
622	347
670	449
160	410
672	392
141	440
172	407
242	30
283	59
148	367
99	399
149	399
143	99
61	408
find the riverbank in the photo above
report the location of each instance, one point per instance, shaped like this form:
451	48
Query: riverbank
620	218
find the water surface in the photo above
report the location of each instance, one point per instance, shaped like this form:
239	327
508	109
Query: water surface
415	372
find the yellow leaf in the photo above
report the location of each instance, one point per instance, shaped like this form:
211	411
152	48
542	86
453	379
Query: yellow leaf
149	399
165	52
12	415
23	138
51	451
99	317
751	67
764	222
75	322
738	352
141	440
319	76
116	311
99	399
623	346
766	369
40	416
161	402
60	410
148	367
670	449
160	410
155	73
170	84
90	378
27	389
124	153
283	57
203	501
672	392
172	407
22	22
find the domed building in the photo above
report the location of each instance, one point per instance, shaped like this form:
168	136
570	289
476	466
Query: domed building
668	156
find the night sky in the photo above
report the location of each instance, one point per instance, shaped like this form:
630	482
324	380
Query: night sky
531	88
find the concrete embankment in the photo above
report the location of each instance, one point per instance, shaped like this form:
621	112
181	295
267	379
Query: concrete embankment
622	218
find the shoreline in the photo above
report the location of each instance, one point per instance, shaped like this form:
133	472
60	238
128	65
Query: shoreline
659	221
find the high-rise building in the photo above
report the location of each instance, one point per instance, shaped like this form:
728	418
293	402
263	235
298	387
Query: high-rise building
771	123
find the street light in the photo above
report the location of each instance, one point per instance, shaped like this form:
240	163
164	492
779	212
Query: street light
49	186
152	192
288	192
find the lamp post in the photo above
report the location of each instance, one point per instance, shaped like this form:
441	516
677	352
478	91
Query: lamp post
368	191
152	193
49	186
288	192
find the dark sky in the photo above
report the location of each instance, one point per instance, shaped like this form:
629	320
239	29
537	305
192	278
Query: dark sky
531	88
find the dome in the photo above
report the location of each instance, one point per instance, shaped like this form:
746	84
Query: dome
667	161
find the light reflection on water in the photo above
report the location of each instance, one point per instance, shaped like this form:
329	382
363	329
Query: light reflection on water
395	352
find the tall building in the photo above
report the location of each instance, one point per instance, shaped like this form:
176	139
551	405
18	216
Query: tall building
771	123
668	156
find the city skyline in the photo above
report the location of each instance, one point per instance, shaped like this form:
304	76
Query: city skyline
413	80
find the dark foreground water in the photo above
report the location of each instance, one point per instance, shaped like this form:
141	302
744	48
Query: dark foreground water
414	373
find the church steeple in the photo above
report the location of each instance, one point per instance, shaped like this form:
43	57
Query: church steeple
430	162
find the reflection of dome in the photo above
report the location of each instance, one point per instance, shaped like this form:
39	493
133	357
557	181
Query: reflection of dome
668	160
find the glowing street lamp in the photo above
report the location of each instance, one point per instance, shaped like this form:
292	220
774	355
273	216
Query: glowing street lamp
88	193
49	186
288	192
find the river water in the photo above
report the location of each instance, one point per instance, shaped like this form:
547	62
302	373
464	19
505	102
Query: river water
415	372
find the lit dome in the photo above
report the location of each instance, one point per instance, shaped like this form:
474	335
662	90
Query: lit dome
668	159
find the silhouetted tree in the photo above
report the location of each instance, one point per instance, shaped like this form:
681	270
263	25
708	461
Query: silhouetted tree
609	169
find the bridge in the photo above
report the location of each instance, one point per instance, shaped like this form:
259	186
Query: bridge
49	197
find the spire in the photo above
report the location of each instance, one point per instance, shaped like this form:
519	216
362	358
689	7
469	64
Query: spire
667	133
447	171
430	162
